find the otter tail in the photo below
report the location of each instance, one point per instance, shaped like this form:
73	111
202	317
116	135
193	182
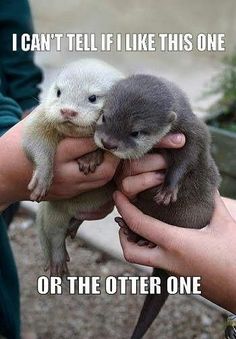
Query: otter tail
152	306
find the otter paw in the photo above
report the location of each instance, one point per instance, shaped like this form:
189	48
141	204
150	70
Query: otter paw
59	268
144	242
89	162
39	186
131	236
72	228
58	262
230	330
166	195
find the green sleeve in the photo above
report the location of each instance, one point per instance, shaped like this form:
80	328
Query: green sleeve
9	289
20	76
10	113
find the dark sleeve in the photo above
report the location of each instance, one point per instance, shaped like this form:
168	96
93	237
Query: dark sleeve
20	76
9	289
10	113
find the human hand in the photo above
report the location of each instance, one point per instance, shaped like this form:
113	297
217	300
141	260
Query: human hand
16	170
138	175
208	252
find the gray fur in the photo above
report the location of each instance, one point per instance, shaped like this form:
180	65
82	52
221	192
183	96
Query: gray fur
145	104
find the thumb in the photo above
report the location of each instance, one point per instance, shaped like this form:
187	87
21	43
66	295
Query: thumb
172	140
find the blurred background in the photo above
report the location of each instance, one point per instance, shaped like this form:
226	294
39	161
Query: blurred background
191	70
99	253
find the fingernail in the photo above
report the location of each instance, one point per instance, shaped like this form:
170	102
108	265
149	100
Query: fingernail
177	138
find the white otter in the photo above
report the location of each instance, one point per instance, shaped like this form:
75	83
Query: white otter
71	108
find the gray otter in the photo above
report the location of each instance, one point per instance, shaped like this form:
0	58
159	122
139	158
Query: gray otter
71	109
138	112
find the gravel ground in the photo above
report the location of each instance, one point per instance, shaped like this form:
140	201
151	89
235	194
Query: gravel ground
98	316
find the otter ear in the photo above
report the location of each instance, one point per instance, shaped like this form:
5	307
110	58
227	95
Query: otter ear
172	116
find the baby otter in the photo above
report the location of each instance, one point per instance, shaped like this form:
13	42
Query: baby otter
71	109
138	112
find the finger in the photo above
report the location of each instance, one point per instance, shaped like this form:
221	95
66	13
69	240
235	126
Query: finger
142	255
88	186
104	172
156	231
66	191
172	140
148	163
131	186
73	148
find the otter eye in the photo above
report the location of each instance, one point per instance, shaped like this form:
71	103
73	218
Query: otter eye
103	118
135	134
58	93
92	98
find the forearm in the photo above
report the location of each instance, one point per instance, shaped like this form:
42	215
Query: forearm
15	168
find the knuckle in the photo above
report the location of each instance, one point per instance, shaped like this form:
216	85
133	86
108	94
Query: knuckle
125	186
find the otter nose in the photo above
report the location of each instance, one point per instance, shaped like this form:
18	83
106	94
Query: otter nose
68	113
109	145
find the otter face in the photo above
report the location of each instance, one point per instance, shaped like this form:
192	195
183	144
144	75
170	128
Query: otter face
134	117
77	96
125	142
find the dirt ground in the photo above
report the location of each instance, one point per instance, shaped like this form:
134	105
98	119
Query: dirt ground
98	316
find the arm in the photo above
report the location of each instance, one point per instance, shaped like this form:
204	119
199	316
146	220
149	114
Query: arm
10	113
20	76
217	267
208	253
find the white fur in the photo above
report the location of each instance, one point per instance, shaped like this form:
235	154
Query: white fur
77	81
